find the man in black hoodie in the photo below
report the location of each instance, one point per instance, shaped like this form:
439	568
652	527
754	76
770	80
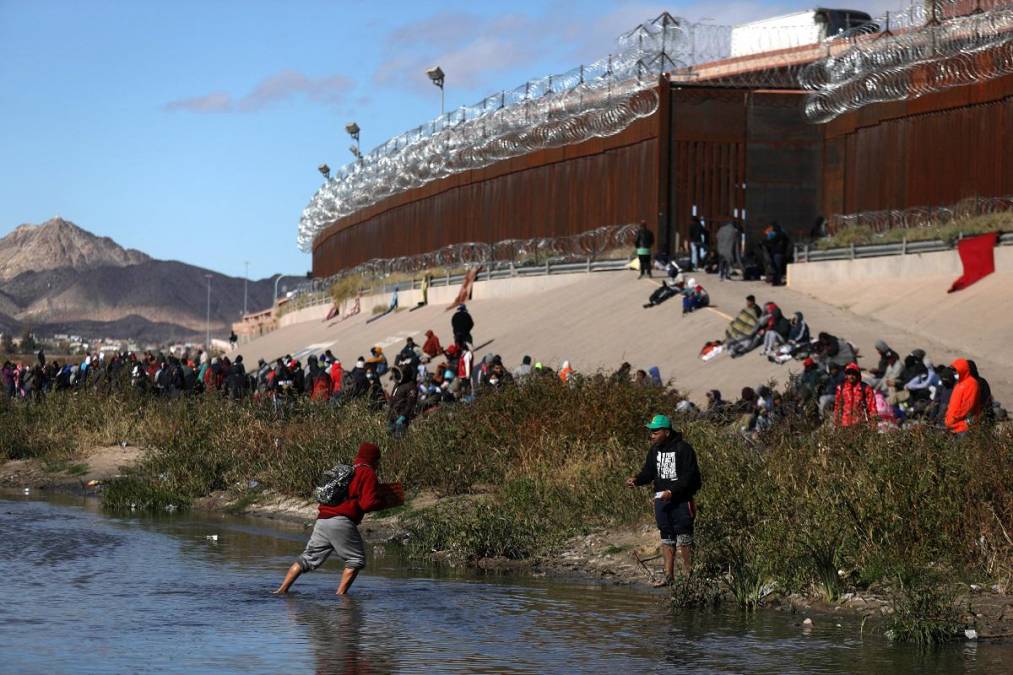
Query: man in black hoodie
671	467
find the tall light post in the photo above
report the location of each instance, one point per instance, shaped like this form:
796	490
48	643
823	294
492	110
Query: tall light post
325	171
353	130
207	320
246	281
279	278
437	77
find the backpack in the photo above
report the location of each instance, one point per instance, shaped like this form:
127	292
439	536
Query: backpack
332	488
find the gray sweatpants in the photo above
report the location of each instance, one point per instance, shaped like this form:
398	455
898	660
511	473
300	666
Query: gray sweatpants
333	535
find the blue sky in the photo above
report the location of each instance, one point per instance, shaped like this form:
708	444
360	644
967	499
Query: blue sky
192	130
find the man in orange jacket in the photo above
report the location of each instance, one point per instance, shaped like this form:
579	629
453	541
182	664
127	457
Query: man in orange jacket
965	403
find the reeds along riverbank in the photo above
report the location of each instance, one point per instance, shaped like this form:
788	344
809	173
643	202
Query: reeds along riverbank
816	510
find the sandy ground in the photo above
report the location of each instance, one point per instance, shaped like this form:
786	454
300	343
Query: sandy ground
597	322
97	464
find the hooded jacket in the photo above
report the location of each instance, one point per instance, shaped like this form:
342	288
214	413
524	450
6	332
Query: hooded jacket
671	465
432	347
363	491
964	401
854	403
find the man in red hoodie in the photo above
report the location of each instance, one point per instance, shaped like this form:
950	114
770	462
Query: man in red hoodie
964	401
854	401
336	529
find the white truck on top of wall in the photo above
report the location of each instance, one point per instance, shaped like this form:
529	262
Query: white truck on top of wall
794	30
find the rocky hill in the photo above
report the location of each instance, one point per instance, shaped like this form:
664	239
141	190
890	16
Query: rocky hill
58	244
59	278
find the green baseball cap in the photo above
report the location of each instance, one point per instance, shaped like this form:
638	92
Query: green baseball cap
659	422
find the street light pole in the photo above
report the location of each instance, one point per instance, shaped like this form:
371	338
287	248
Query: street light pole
246	280
207	320
280	277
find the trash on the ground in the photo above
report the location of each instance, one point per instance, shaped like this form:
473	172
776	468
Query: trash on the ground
807	622
971	634
93	483
212	537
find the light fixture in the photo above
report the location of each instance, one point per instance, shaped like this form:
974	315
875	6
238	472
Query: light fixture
353	130
325	171
437	76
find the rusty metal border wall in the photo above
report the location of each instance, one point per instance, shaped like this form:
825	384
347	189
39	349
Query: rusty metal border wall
938	149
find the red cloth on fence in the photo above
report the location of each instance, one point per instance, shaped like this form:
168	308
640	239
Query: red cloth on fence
978	256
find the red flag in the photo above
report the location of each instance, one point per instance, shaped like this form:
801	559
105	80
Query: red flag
978	256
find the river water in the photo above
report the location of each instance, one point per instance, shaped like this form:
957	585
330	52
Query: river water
86	592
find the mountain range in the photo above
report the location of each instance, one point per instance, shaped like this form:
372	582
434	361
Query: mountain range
59	278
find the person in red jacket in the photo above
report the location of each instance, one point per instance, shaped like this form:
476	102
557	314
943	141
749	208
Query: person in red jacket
854	401
964	401
336	529
336	375
431	348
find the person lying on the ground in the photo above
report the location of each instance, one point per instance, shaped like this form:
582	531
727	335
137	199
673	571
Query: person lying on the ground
671	286
336	528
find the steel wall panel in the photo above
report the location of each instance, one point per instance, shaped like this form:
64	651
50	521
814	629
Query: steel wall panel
783	165
602	182
934	150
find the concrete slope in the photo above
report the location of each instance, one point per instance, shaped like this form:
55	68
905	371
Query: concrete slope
596	321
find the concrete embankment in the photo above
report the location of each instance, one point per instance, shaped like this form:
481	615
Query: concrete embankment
597	321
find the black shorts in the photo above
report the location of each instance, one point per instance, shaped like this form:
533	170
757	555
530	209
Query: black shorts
675	522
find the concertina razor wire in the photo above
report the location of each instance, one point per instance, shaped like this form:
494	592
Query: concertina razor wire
907	55
590	101
920	216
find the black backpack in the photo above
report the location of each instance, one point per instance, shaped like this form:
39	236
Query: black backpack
332	488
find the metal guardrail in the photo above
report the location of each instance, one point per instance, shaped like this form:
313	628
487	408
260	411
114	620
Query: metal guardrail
308	295
805	253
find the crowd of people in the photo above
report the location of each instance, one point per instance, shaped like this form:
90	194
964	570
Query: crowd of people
897	391
831	386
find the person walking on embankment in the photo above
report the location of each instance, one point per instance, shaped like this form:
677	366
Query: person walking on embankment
336	529
671	467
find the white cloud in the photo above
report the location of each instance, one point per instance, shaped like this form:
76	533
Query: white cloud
286	84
